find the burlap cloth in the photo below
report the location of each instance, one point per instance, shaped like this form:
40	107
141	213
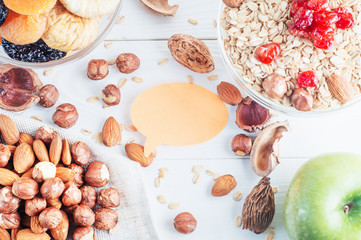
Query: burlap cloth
135	222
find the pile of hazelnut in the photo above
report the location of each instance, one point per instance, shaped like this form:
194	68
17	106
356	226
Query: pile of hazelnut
46	187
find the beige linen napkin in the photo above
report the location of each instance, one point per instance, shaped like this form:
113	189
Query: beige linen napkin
135	222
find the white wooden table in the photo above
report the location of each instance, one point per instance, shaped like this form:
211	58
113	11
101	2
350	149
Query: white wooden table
146	34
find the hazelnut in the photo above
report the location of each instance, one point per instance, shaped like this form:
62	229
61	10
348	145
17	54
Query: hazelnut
84	233
50	217
8	201
79	174
233	3
185	223
71	195
70	210
302	100
108	198
97	174
25	188
5	155
241	144
48	95
10	220
45	134
34	206
127	63
275	86
83	215
66	115
80	153
98	69
105	218
111	95
43	171
52	188
89	196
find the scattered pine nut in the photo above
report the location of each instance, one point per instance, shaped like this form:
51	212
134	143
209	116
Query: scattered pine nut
37	118
192	21
92	99
97	137
213	77
275	189
163	169
157	182
108	44
197	168
215	23
163	61
48	72
190	79
162	199
196	178
106	106
120	19
238	221
112	61
114	229
216	176
237	196
86	131
173	205
137	79
122	82
131	128
161	174
270	235
210	173
121	125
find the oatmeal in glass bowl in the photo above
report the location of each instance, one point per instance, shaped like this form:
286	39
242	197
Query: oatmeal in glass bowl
299	57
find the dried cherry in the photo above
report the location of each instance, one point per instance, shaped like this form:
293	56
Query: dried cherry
346	19
307	79
317	5
267	53
325	18
303	18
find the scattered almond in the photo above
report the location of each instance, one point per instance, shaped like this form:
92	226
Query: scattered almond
162	199
24	158
111	134
238	221
92	99
136	153
8	177
8	129
122	82
41	151
173	205
55	149
237	196
224	185
229	94
192	21
340	88
137	79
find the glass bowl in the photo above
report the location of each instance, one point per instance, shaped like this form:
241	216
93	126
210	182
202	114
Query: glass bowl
258	97
106	24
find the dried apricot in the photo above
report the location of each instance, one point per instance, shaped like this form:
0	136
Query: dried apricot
30	7
23	29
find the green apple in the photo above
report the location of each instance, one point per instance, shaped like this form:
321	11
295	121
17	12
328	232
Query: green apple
323	201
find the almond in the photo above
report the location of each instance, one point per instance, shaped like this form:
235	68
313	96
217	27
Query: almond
55	150
11	148
35	225
40	151
8	177
14	232
229	94
65	174
24	158
66	155
28	173
340	88
26	138
4	234
224	185
27	234
111	134
61	231
136	153
8	129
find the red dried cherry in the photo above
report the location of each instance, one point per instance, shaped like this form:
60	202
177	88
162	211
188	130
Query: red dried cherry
307	79
303	18
267	53
346	19
297	32
296	5
324	44
320	33
317	5
325	18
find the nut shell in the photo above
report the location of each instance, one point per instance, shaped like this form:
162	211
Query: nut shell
8	201
191	53
89	196
105	218
97	174
127	63
108	198
81	153
83	215
66	115
48	95
52	188
50	217
185	223
25	188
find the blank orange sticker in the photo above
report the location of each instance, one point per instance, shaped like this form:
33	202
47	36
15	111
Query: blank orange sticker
178	114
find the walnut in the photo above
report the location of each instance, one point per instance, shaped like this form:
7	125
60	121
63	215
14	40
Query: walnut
191	53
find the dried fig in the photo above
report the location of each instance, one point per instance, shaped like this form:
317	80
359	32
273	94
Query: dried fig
191	53
161	7
259	207
90	8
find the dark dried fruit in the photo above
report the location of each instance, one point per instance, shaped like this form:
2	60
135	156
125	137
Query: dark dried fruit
34	52
259	207
4	11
